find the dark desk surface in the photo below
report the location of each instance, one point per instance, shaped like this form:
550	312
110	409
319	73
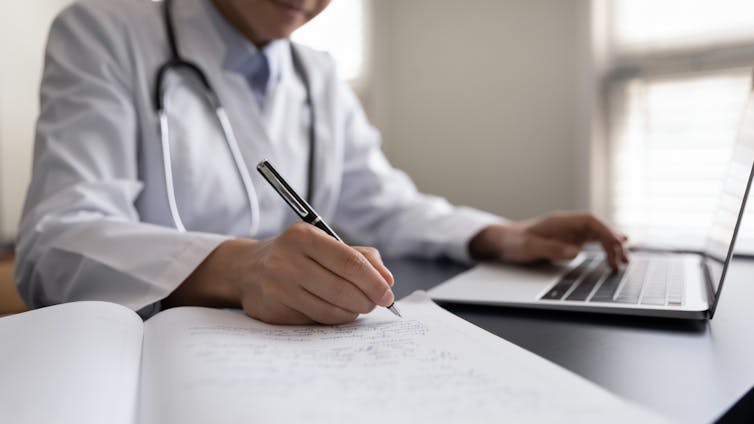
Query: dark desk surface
691	371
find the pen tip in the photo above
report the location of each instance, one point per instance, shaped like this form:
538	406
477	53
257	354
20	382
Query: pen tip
395	310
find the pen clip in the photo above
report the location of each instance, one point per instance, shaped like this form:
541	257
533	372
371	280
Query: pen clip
286	194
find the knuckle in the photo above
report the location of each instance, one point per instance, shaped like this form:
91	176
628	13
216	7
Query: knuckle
354	262
298	231
300	235
370	251
299	227
582	222
588	218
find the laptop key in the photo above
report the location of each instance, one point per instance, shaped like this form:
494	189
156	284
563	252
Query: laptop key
607	290
631	289
655	297
561	288
588	283
655	289
675	291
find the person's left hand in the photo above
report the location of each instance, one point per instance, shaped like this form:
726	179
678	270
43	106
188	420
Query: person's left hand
554	237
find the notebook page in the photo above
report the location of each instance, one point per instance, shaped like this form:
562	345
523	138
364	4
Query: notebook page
71	363
202	365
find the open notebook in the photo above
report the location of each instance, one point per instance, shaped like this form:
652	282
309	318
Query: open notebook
97	362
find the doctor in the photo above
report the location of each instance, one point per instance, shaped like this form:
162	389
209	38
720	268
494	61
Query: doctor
141	192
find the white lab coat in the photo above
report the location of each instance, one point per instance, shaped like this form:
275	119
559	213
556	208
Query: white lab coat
96	223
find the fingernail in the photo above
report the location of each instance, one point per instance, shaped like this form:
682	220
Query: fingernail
387	298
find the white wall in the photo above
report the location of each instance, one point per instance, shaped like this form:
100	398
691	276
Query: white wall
23	33
483	101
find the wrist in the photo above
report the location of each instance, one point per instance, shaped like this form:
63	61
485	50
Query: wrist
487	243
216	282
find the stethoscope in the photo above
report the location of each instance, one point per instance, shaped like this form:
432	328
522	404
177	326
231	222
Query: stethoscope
176	62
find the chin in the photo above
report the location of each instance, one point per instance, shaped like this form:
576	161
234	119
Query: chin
282	30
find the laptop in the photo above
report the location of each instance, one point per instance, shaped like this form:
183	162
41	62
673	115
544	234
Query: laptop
654	283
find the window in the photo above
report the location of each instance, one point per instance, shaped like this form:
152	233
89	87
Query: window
339	30
677	80
670	24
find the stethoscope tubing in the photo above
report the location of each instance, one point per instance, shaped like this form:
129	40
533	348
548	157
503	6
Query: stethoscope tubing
176	62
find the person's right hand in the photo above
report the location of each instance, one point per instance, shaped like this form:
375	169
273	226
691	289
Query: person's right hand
299	277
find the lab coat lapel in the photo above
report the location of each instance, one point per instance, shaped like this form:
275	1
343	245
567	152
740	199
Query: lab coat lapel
327	152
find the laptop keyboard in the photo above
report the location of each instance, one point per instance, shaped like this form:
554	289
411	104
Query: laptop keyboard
655	281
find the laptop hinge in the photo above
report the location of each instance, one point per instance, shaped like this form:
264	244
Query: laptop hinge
709	286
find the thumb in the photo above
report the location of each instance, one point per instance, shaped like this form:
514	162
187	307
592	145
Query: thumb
551	249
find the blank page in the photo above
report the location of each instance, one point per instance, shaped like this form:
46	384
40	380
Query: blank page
203	365
71	363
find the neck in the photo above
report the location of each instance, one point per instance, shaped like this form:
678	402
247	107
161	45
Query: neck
234	18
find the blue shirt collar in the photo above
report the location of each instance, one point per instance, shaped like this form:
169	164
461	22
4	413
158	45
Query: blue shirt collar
239	50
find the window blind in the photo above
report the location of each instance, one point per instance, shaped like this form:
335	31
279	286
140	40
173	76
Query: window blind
677	88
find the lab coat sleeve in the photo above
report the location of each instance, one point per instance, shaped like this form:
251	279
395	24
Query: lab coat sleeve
80	236
380	206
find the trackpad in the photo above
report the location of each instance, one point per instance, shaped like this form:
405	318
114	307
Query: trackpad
498	283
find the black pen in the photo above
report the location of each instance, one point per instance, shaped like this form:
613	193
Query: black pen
300	206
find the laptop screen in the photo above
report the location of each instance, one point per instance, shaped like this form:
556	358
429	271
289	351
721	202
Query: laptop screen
735	190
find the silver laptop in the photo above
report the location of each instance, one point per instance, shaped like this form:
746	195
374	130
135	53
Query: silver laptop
657	283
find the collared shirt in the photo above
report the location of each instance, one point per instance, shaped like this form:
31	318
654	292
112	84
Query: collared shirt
241	53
